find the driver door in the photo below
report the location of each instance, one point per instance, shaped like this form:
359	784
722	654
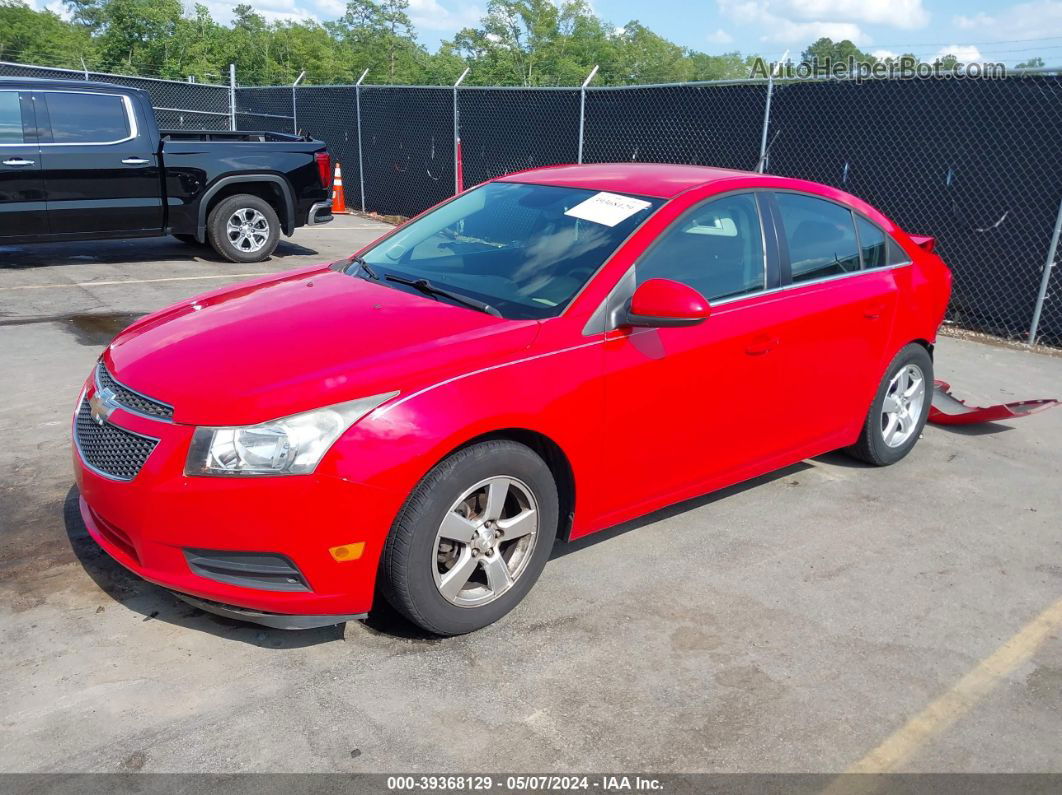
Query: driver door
691	409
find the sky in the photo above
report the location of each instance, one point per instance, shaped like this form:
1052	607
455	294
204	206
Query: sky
973	30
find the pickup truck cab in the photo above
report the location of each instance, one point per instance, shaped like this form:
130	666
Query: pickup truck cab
84	161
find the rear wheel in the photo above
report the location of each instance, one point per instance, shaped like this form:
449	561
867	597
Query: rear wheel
899	411
243	228
472	538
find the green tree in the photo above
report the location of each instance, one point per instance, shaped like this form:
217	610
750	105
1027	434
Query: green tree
518	42
41	37
825	51
1033	63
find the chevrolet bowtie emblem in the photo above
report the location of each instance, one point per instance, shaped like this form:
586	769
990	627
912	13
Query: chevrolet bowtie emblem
102	405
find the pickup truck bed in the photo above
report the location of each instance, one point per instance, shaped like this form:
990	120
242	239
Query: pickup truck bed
82	161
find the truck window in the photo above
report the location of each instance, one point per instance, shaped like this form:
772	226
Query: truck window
10	118
87	118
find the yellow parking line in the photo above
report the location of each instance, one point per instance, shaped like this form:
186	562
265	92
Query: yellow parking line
137	281
961	698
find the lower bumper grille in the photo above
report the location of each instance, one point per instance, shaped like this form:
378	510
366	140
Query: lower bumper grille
259	570
108	449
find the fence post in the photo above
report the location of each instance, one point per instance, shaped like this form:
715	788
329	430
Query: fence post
361	164
294	104
762	164
1049	264
582	109
84	68
459	178
232	96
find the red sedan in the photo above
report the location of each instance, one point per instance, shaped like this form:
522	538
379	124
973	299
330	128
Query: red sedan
542	356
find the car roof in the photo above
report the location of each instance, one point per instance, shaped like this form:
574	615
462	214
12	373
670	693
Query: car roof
661	180
53	82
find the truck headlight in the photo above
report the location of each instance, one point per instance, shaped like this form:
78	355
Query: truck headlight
289	446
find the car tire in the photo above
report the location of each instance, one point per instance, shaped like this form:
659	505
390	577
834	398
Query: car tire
243	228
189	239
441	538
899	411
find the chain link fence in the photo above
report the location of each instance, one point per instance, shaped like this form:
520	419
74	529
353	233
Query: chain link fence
975	163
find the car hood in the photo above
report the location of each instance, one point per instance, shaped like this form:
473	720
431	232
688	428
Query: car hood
300	340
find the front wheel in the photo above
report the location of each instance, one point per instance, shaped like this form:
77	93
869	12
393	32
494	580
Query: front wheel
899	411
472	538
243	228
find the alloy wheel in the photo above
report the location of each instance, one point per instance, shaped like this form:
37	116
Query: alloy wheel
902	407
485	541
248	229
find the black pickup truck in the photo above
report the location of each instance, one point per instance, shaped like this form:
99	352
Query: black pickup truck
84	161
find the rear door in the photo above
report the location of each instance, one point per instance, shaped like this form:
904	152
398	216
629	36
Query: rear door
101	173
22	206
836	318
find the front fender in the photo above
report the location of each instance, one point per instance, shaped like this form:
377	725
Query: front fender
398	444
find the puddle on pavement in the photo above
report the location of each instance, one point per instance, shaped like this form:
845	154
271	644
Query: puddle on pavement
94	330
100	329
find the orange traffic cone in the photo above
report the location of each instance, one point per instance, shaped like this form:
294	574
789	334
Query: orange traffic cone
339	200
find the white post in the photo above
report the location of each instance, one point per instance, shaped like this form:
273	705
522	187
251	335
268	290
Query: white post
85	68
458	186
361	163
1052	252
762	164
232	96
582	109
294	105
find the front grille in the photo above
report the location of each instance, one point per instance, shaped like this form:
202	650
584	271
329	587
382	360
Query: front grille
130	399
109	449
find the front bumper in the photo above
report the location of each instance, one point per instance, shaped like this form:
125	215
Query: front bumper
151	522
274	620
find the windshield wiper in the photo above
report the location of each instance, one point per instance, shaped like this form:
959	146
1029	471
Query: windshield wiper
354	259
428	288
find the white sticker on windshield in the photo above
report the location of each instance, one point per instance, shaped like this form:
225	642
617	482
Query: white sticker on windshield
607	209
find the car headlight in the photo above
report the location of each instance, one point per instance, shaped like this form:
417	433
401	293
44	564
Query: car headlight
289	446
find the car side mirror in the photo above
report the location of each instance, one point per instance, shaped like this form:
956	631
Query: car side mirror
663	303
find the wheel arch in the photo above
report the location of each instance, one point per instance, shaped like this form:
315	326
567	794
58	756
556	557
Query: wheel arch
929	346
550	452
271	188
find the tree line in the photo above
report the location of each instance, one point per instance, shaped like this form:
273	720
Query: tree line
517	42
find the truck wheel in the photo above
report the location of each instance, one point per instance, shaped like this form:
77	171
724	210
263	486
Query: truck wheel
189	239
243	228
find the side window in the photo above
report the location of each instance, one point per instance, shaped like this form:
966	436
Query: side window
87	118
716	248
821	237
872	244
897	256
10	118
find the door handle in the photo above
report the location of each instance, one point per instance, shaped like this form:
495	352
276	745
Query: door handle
18	161
135	161
761	345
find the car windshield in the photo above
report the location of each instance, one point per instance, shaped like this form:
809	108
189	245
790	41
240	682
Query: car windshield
525	250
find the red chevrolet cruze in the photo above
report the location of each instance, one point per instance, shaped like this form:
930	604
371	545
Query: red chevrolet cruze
545	355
